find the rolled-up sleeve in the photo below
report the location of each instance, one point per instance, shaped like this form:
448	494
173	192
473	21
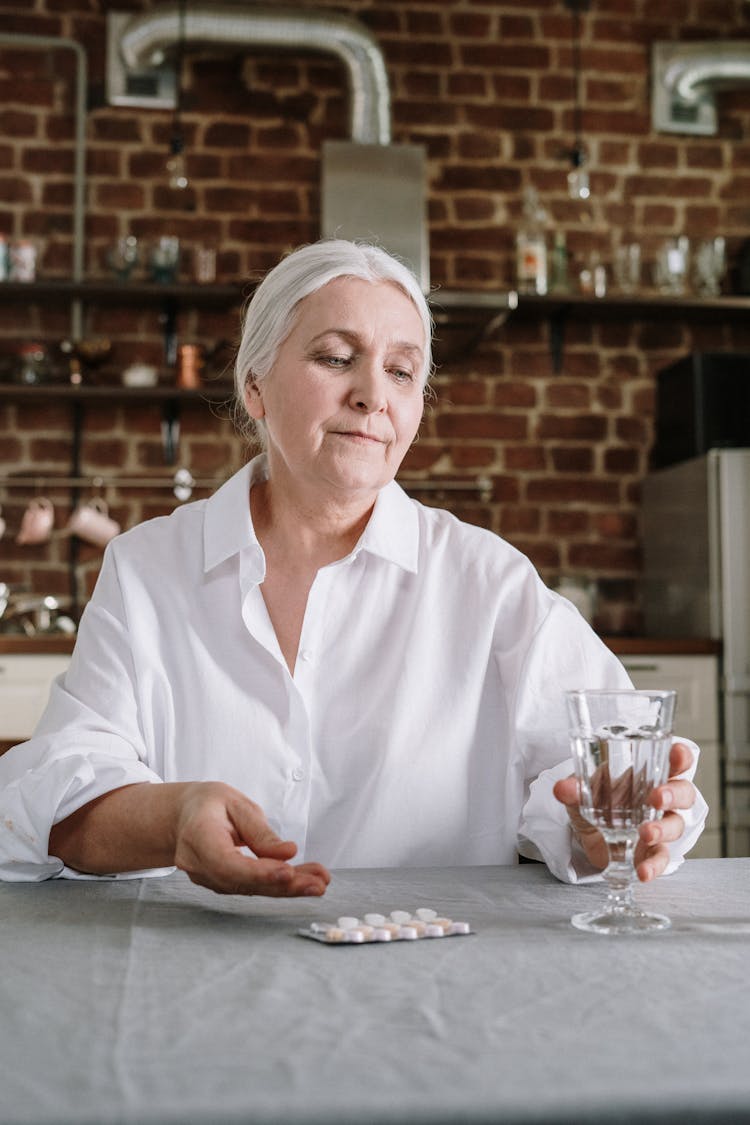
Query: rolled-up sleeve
87	743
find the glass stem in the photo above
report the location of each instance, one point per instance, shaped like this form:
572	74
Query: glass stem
620	874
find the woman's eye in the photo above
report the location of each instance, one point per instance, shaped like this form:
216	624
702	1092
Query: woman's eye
402	376
334	360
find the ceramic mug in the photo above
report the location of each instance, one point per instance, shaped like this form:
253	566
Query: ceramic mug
93	523
2	524
36	523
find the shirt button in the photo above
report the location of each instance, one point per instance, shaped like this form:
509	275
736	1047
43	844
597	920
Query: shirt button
297	774
306	655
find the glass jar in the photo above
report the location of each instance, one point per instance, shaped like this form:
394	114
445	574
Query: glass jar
31	367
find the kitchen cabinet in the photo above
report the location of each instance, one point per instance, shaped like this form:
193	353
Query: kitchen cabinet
695	677
25	680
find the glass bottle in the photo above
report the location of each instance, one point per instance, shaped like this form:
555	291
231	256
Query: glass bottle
531	246
559	280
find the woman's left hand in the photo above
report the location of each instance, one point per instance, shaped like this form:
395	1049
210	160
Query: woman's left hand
651	853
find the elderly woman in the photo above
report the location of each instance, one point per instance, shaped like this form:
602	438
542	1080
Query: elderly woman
311	664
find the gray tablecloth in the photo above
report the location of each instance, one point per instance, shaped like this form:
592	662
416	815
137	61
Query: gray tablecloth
156	1001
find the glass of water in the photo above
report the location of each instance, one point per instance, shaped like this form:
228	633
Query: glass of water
620	742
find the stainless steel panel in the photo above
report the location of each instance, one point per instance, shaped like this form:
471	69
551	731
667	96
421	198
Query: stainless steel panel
376	193
680	574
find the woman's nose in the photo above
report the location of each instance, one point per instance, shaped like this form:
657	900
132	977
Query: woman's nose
368	390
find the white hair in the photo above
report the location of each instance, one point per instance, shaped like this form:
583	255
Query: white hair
272	310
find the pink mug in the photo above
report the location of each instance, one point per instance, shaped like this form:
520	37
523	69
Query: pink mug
93	523
2	525
36	523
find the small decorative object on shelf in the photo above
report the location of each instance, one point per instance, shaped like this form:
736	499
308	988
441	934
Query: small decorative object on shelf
32	367
531	246
164	259
189	365
22	260
85	355
122	257
4	258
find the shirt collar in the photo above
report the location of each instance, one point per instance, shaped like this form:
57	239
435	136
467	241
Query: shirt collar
227	524
393	529
392	532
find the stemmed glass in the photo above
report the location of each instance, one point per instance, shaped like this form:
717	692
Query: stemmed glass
620	742
710	266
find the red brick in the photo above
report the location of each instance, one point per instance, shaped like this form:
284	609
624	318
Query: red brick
603	556
576	490
583	427
621	460
492	426
525	458
575	459
568	522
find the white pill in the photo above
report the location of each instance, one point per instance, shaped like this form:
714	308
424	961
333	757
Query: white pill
460	928
425	914
408	933
434	931
348	923
320	927
375	919
381	934
354	936
401	916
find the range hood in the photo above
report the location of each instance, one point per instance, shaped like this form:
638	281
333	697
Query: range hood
685	78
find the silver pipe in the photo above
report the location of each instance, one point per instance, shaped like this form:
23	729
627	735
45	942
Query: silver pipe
147	39
711	64
11	39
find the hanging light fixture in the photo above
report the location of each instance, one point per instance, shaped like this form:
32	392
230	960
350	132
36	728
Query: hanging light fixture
578	176
176	167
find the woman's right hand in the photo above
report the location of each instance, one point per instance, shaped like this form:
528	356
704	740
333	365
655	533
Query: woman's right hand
202	827
214	823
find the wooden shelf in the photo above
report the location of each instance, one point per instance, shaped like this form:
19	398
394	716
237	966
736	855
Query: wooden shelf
42	644
106	291
635	306
93	393
559	308
662	646
463	318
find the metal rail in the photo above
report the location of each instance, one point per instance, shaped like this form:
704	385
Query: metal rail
183	483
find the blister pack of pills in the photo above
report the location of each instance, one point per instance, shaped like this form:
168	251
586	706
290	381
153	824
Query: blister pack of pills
399	925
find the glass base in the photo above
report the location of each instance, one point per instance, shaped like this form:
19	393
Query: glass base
620	922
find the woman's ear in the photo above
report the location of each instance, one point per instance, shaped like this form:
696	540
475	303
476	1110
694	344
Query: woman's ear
253	398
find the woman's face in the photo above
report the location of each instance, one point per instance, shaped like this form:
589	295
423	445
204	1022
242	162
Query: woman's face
343	401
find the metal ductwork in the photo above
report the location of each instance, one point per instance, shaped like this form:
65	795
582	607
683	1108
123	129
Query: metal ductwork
370	188
140	45
686	78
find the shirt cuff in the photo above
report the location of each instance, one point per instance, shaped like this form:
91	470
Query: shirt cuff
31	804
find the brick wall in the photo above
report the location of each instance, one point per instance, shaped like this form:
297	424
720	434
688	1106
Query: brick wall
487	88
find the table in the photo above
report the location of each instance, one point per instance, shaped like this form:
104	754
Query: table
155	1001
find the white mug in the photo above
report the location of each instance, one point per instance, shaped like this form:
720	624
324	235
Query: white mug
93	523
36	523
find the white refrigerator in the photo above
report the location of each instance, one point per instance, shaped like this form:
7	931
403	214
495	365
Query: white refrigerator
696	547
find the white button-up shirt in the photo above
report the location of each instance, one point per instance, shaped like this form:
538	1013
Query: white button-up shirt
424	723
